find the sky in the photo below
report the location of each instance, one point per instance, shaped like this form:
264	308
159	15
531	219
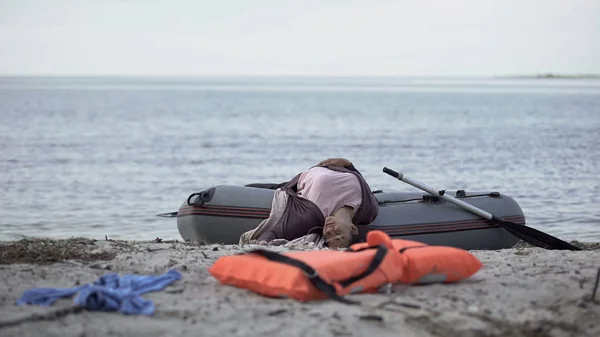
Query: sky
302	37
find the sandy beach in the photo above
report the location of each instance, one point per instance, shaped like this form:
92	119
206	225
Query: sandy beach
519	292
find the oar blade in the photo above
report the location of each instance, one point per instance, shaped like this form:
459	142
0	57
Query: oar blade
534	236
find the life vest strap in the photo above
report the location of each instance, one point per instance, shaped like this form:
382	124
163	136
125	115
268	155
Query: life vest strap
377	259
312	274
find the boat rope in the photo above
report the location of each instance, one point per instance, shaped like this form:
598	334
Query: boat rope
430	198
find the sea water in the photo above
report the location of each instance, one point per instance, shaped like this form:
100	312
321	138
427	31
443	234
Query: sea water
102	156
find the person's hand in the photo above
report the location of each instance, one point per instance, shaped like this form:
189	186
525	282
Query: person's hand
335	162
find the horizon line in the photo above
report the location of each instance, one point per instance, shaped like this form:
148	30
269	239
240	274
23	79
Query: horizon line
291	75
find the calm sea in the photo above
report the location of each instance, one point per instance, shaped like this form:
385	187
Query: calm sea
102	156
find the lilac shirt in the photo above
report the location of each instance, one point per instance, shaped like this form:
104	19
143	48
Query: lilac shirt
330	190
306	212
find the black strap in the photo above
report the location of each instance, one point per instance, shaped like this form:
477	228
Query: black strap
310	272
377	259
458	196
313	275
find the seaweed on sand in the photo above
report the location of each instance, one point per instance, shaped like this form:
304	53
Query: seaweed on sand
41	251
582	245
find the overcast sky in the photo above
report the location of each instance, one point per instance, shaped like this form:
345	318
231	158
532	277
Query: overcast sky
302	37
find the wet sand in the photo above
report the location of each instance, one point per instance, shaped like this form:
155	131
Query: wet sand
519	292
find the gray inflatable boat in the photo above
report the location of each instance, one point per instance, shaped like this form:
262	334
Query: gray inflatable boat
220	214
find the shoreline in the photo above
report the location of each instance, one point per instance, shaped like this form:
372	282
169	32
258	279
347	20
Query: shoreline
550	76
520	291
57	250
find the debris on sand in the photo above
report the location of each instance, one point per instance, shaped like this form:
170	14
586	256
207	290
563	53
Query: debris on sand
42	251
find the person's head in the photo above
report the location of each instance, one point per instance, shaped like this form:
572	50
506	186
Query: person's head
338	234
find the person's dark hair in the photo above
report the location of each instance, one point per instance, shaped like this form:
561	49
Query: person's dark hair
356	238
361	236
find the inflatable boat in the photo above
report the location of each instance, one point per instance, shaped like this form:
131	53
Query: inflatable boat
220	214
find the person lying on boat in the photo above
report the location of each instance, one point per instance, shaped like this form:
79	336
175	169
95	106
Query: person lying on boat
326	205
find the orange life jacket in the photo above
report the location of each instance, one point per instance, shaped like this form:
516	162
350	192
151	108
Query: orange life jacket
311	275
432	264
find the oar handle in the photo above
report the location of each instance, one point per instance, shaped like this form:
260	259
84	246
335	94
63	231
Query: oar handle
438	193
392	173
